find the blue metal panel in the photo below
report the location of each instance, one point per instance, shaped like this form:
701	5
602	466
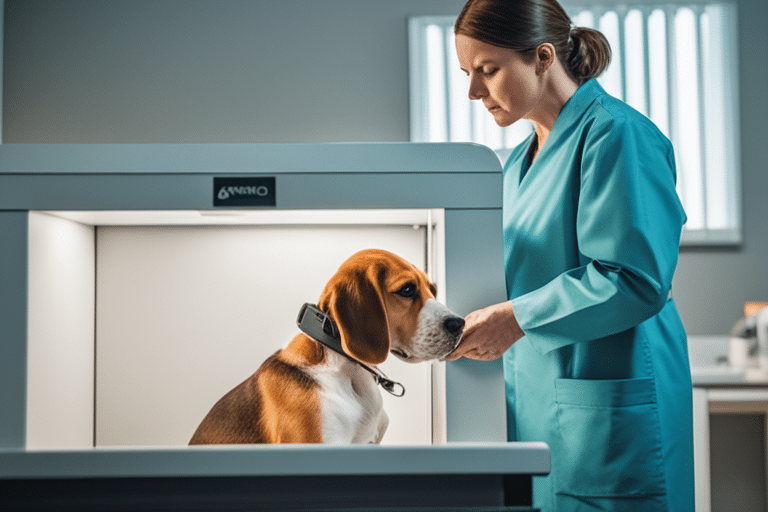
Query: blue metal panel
294	191
382	157
475	399
13	328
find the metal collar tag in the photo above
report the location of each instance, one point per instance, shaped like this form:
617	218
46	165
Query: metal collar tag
320	327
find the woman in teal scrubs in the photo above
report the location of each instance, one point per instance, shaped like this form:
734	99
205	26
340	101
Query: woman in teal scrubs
594	351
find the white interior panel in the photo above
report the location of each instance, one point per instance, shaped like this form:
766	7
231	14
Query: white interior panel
186	313
60	356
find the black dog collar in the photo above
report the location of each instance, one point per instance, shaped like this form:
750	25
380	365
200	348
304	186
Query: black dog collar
320	327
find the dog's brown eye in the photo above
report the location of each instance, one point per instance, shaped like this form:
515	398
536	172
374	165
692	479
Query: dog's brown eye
407	291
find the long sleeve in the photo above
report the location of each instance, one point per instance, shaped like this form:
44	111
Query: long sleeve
628	224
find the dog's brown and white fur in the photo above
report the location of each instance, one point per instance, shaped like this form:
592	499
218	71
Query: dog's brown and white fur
306	393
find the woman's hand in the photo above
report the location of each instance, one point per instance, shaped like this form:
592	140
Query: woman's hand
488	333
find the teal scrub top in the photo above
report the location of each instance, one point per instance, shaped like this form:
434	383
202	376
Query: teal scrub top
591	237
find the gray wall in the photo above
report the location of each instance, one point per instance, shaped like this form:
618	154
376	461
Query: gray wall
712	285
194	71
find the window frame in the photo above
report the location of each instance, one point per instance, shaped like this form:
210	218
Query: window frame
728	156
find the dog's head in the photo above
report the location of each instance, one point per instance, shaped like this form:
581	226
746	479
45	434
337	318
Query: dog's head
381	304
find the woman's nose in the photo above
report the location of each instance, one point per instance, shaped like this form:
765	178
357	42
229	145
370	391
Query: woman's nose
476	90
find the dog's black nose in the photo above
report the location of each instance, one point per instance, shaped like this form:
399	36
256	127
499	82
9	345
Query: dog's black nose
454	324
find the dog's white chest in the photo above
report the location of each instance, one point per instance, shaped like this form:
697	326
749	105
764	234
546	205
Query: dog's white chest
351	405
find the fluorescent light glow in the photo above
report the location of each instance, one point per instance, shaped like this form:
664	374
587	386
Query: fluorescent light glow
657	70
689	148
244	217
611	79
635	60
436	85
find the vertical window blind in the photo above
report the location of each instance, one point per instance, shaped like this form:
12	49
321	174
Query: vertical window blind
673	62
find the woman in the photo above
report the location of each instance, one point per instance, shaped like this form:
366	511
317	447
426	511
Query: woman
599	367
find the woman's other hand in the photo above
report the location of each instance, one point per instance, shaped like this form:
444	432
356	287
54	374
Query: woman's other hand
488	333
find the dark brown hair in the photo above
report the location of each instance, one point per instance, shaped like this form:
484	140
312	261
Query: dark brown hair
524	25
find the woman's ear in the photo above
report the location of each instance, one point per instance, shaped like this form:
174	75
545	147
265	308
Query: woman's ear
545	56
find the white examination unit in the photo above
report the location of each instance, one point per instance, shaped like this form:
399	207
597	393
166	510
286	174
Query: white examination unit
139	283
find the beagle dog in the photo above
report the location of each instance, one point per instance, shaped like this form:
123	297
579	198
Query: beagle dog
378	304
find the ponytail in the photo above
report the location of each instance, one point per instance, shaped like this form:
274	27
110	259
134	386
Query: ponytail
589	56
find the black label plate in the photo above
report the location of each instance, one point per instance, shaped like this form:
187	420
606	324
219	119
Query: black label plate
244	191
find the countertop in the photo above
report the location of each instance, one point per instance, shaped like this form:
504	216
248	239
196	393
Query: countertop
725	376
708	357
529	458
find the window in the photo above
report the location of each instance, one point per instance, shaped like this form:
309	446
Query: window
674	62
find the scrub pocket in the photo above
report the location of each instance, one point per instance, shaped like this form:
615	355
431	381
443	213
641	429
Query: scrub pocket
611	444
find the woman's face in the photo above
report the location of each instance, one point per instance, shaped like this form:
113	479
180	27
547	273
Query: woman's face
509	87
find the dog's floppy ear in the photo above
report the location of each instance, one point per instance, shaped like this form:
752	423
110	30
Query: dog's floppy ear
356	304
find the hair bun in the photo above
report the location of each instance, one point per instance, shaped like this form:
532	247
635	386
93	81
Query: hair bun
590	53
